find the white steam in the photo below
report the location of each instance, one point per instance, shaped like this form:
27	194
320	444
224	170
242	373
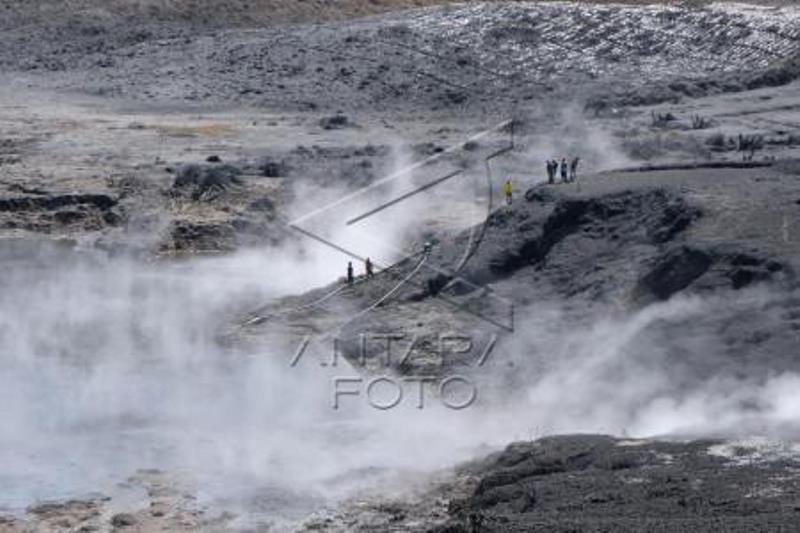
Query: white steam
618	375
567	132
109	366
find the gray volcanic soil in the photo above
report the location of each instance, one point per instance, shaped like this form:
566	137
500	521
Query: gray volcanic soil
152	133
462	58
460	67
599	483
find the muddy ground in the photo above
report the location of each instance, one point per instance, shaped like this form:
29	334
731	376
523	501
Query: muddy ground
164	137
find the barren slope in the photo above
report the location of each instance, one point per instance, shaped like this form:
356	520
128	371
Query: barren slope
494	56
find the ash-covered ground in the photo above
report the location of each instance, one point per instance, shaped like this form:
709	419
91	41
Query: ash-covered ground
183	184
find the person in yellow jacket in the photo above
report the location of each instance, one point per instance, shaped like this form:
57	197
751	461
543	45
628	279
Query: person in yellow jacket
508	188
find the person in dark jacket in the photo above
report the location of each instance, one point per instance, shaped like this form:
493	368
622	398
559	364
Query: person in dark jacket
573	169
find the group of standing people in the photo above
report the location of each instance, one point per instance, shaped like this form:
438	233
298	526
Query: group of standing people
569	170
369	271
369	266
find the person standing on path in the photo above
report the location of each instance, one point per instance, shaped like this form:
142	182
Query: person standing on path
573	169
368	268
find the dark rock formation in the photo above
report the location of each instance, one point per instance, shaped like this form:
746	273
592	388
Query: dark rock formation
599	483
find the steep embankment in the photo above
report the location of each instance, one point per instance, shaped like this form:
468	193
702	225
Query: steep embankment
614	251
619	246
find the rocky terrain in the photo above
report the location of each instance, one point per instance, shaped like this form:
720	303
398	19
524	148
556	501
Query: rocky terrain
182	186
592	483
454	69
462	58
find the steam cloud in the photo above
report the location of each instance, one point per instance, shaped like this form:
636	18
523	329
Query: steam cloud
110	366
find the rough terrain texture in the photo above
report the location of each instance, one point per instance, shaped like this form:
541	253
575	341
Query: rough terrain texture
593	483
471	56
660	284
622	242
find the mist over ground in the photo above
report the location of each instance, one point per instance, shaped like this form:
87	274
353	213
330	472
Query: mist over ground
182	188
